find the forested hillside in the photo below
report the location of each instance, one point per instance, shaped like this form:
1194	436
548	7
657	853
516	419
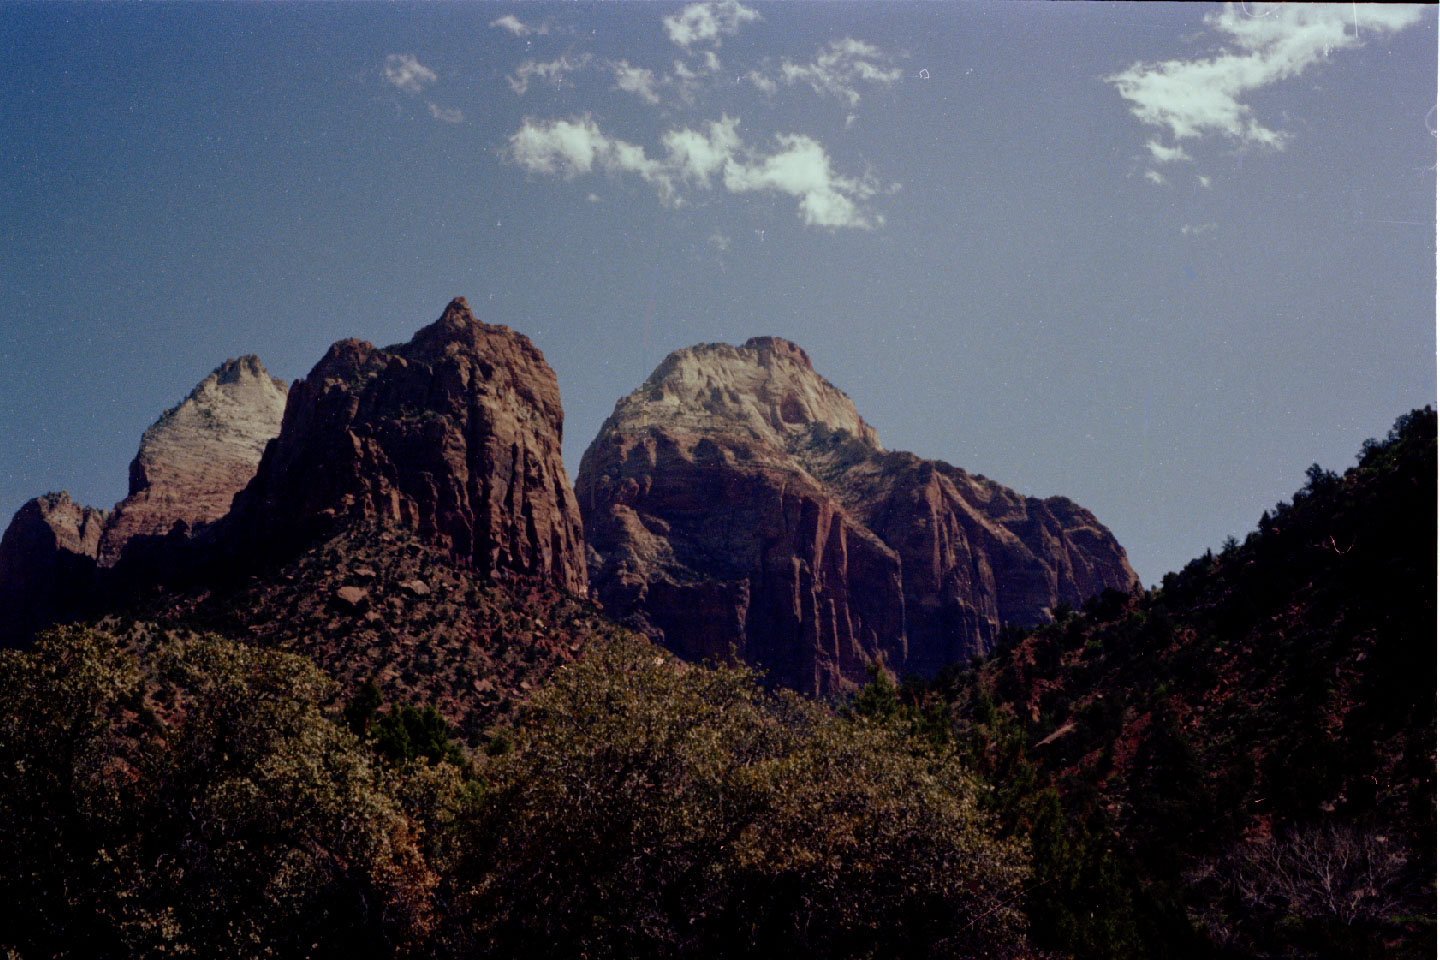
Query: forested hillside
1245	755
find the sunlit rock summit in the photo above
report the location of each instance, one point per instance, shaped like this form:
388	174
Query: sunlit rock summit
198	455
737	502
191	463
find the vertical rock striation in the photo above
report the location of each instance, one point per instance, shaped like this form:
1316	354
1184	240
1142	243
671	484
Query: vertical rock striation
455	434
738	501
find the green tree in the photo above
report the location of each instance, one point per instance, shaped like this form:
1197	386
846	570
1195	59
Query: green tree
204	805
650	809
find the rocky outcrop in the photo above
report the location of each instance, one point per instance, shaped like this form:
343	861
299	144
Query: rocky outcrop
198	455
455	435
738	501
47	565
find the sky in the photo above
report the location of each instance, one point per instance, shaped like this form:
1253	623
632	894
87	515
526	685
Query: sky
1155	258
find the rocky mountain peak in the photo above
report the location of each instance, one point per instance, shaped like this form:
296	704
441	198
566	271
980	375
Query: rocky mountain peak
767	390
47	562
198	454
737	501
455	435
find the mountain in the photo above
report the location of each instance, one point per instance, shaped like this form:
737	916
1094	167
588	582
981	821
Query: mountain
1258	733
198	455
191	463
47	564
455	435
407	520
738	501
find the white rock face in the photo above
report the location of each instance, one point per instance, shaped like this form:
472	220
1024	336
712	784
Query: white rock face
198	455
767	387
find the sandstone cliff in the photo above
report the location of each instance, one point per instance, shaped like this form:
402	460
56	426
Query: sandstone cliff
738	500
455	435
47	565
198	455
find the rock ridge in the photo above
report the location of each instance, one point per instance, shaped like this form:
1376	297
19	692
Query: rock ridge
738	502
198	455
455	434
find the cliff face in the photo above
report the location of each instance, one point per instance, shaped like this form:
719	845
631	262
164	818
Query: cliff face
47	565
738	500
198	455
455	434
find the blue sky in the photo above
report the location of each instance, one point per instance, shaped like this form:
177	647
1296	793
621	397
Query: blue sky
1157	258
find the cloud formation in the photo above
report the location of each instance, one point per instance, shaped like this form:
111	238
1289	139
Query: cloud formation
552	72
701	159
1163	154
1269	43
403	71
518	27
446	114
1157	178
707	22
838	68
637	80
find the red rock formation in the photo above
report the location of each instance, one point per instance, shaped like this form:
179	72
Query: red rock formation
738	501
47	565
198	455
455	435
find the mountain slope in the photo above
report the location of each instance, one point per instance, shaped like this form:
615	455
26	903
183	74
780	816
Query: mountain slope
1260	730
737	500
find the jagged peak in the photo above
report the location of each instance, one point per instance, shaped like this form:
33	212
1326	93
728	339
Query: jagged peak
459	327
770	347
235	372
767	386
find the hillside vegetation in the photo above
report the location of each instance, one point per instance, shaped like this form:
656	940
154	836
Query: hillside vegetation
1245	755
368	750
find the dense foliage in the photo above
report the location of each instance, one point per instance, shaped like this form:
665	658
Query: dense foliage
202	806
204	797
650	810
1244	757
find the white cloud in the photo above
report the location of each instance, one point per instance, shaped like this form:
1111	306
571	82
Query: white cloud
764	84
402	70
1196	230
698	157
1269	43
1156	177
569	148
447	114
839	67
702	159
1164	154
1204	180
552	72
518	27
707	22
802	169
637	80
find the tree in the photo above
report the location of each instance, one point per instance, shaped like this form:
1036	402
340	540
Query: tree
202	805
654	810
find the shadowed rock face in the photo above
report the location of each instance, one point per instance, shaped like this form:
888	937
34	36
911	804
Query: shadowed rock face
455	435
198	455
737	500
47	565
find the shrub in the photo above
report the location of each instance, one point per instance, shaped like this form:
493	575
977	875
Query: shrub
652	810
